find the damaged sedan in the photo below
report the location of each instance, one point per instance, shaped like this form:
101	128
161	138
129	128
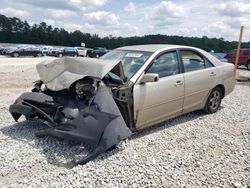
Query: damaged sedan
100	102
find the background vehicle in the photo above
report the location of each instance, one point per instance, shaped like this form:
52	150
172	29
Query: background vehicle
82	51
70	51
97	52
7	50
45	50
36	52
54	51
244	57
1	50
220	56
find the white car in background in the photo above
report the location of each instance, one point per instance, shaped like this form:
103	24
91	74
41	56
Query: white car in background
46	49
82	51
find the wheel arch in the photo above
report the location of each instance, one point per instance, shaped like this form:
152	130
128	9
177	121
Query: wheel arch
222	88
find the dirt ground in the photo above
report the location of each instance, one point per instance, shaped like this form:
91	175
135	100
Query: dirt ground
16	76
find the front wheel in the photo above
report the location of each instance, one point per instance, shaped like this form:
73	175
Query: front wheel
213	101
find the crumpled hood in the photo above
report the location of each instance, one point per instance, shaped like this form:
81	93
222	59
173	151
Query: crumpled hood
58	74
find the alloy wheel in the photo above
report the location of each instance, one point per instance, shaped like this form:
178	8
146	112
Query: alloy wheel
214	101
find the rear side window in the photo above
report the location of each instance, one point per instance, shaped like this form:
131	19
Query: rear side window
246	52
193	61
208	64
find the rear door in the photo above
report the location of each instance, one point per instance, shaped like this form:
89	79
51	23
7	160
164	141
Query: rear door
154	102
199	75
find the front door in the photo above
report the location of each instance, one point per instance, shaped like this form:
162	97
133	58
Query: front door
154	102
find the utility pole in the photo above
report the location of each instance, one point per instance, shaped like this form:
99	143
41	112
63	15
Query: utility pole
238	49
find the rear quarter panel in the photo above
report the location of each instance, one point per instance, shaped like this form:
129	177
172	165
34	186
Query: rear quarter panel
226	77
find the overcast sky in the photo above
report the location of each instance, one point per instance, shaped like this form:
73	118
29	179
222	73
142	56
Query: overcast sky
212	18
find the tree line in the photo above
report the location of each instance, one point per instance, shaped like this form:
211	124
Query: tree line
15	30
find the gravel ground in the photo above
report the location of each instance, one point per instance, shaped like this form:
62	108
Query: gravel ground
194	150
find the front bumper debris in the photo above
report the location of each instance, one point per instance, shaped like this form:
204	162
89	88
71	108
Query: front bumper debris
99	124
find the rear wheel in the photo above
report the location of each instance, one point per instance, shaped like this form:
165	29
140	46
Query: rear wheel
39	55
16	54
60	55
213	101
97	56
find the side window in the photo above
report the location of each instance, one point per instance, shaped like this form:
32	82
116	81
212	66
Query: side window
192	61
165	65
246	52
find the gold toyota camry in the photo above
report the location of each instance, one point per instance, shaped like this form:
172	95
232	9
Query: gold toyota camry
102	101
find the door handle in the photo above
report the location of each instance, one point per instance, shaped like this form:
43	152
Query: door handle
178	83
212	74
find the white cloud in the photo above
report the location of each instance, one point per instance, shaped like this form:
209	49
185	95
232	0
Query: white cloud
49	21
14	12
62	4
167	8
72	27
130	7
213	18
102	18
167	13
60	14
233	8
239	21
97	2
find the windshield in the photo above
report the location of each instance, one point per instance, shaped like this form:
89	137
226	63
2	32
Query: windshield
131	60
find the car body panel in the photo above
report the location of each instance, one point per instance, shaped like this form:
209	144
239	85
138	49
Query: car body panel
158	100
197	86
60	73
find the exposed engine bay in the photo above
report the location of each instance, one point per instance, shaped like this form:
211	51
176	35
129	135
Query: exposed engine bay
95	109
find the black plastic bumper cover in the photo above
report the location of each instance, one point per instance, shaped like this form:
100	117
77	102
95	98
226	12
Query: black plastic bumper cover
100	126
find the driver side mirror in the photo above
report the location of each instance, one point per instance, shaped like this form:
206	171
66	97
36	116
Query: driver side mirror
149	77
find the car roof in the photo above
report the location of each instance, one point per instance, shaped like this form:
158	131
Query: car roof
152	47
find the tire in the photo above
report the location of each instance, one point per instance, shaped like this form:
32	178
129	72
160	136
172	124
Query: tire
16	54
39	55
75	55
213	101
60	55
97	56
248	65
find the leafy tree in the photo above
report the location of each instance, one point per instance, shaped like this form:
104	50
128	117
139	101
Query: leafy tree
14	30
